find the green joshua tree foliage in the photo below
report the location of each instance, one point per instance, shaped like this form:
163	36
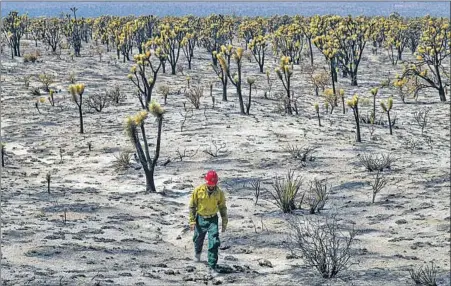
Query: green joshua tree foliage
46	80
73	31
325	44
170	41
215	32
188	44
396	37
386	107
343	41
35	28
258	48
354	105
285	73
330	98
126	39
289	41
77	90
52	34
144	75
191	38
14	27
414	30
374	92
235	78
226	52
251	28
51	98
133	125
304	22
432	53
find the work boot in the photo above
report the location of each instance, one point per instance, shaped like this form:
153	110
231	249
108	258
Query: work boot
197	257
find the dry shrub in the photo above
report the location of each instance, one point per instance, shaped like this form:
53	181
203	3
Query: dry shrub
424	276
375	162
317	196
194	95
323	245
31	57
164	91
98	101
302	153
46	80
286	192
115	95
122	161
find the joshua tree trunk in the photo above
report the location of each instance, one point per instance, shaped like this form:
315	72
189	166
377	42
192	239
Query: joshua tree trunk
374	110
399	54
343	102
3	157
357	123
441	89
173	68
215	60
344	73
353	79
374	198
144	156
150	186
262	62
240	98
389	122
310	50
224	90
441	92
248	106
289	110
17	47
332	70
238	90
81	116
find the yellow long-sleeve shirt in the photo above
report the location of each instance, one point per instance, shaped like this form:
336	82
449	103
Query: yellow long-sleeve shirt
206	205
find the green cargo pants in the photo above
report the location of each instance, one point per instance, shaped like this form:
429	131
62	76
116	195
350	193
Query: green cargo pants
210	225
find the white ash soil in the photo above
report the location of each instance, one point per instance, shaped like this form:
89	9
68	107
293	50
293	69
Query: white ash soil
116	234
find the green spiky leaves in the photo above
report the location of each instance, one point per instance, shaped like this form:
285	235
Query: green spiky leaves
353	103
386	107
316	106
374	91
76	90
156	109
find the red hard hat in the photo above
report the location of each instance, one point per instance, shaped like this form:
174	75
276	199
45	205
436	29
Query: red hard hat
211	178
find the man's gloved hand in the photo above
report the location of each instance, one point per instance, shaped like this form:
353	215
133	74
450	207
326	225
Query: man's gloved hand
224	227
192	226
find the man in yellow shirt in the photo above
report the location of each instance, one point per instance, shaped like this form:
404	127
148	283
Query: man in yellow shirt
206	200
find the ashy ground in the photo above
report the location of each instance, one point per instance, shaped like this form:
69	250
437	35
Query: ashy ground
116	234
